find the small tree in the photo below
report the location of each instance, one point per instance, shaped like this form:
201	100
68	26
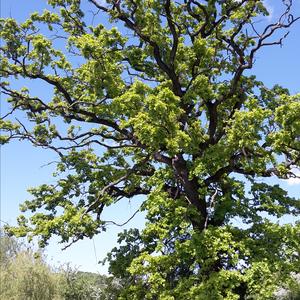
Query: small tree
162	107
25	275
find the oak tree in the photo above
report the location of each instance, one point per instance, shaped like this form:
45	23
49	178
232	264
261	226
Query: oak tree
163	107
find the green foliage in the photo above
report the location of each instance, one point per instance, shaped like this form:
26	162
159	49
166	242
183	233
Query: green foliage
75	285
293	293
161	105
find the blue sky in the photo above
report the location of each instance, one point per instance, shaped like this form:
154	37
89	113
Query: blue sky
23	166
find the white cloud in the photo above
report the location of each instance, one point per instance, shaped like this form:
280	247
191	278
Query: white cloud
294	180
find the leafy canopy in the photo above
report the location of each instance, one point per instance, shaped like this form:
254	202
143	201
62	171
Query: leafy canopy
162	107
